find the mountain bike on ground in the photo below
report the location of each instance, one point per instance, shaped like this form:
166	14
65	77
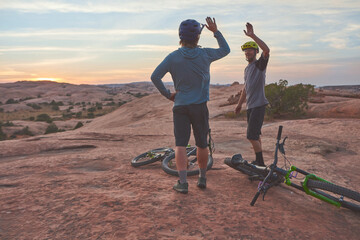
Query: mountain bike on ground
167	157
311	184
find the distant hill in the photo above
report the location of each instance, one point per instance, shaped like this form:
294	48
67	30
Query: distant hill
355	88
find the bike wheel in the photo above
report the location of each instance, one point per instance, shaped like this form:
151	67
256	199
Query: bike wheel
169	165
150	156
353	204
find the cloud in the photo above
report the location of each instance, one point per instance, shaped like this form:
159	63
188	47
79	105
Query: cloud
129	48
85	32
52	62
104	6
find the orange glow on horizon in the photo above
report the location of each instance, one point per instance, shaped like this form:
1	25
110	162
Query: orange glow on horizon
47	79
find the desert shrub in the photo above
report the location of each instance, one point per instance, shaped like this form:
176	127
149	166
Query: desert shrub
26	98
55	107
44	118
24	131
121	103
78	125
2	135
11	101
111	104
98	105
78	115
1	110
91	115
32	118
67	115
92	109
54	103
52	128
7	124
284	100
34	105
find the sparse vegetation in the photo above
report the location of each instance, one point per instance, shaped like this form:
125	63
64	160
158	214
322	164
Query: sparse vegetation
78	115
121	103
78	125
138	95
111	104
2	134
91	110
52	128
25	131
34	105
44	118
11	101
7	124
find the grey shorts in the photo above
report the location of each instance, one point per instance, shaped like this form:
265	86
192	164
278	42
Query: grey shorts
255	119
195	115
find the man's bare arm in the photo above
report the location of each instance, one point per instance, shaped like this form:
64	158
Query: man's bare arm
250	33
241	101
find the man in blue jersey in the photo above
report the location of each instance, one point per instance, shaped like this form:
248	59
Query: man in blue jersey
254	90
189	67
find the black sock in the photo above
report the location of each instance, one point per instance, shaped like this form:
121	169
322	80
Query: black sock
259	158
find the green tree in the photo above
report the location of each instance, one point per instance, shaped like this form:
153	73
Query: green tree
287	100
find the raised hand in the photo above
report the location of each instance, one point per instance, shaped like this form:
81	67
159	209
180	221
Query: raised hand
211	24
249	30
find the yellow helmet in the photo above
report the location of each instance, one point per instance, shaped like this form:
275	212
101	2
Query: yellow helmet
250	45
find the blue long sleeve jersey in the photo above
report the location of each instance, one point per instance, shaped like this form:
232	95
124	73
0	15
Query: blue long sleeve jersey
190	71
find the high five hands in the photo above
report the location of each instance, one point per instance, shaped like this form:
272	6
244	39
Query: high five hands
211	24
249	30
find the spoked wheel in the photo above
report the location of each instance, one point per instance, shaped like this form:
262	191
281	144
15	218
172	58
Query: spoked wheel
169	164
151	156
346	197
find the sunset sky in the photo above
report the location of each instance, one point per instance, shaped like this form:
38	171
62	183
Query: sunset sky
100	42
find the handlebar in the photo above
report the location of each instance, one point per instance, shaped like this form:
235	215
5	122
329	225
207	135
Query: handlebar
279	133
272	167
255	198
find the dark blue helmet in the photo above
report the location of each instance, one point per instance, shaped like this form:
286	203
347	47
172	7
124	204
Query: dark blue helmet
190	29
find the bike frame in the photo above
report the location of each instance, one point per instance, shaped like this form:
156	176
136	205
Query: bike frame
304	187
289	174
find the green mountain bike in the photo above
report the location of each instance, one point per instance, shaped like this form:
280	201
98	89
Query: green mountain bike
311	184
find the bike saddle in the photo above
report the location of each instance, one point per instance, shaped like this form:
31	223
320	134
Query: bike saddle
237	159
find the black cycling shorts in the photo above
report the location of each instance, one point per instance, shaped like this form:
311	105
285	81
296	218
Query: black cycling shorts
255	119
195	115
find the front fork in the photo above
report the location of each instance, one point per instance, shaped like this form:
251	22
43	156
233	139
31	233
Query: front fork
305	187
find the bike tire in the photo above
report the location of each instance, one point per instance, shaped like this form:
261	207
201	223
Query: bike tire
144	158
355	206
168	166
